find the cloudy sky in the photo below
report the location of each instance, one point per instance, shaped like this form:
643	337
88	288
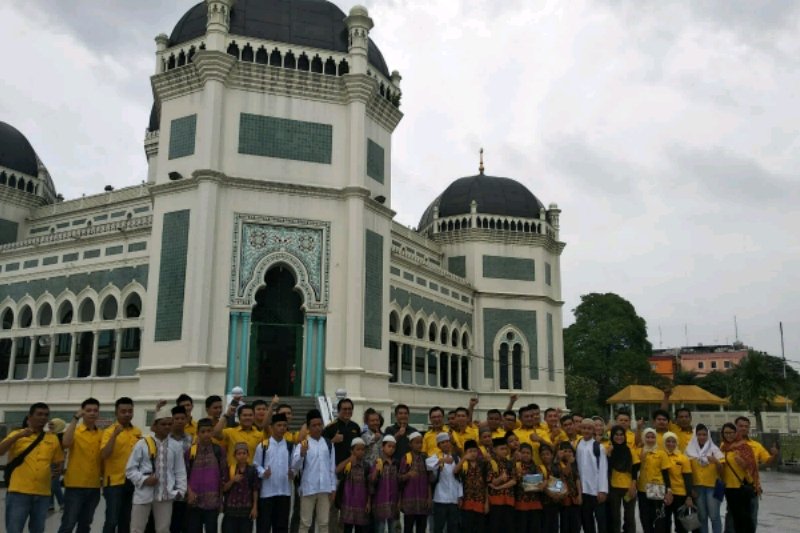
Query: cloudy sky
666	132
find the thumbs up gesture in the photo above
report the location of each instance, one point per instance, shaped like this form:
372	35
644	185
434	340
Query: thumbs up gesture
337	438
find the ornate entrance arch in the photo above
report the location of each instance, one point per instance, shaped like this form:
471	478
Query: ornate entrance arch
260	245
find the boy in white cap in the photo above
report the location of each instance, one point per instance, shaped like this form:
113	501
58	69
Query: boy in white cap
415	494
448	492
386	495
158	472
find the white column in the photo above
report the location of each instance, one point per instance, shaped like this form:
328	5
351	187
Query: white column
95	343
31	355
52	356
12	361
117	352
73	347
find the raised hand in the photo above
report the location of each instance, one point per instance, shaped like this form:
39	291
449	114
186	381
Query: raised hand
337	438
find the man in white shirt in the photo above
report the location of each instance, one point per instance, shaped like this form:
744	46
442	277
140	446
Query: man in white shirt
315	458
449	492
593	469
158	472
273	460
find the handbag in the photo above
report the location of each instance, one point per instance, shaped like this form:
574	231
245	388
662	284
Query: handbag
719	490
748	489
655	491
18	460
688	518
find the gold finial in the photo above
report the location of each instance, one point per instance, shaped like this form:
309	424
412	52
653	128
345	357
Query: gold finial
480	167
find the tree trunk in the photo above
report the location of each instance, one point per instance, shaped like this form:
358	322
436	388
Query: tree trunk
759	423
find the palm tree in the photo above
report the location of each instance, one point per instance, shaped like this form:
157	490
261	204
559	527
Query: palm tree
753	385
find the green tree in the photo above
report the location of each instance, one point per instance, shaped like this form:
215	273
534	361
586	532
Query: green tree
717	382
607	345
581	396
754	384
685	377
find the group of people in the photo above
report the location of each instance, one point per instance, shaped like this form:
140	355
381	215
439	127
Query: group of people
511	471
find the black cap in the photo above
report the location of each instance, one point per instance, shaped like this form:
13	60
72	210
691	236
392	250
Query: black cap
312	414
278	417
499	441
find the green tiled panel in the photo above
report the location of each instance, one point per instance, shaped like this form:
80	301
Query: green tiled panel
182	133
394	270
91	254
457	265
433	286
515	268
30	263
120	277
100	217
428	306
114	250
408	276
373	290
117	214
70	257
77	222
62	225
285	139
12	267
496	319
422	281
445	291
548	274
375	161
137	246
143	209
36	231
551	356
172	276
52	260
8	231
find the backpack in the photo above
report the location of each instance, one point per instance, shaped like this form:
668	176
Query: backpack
193	453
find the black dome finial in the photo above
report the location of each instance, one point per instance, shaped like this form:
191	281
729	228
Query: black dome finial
480	167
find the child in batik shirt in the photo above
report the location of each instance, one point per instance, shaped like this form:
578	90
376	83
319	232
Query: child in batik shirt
502	479
527	504
386	487
475	505
355	499
415	487
241	493
566	469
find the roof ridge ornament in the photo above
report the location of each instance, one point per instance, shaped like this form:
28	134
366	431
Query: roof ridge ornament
480	167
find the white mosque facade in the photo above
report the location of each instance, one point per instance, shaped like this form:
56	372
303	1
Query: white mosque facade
261	250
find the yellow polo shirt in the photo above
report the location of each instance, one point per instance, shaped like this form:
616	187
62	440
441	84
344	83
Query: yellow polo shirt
652	466
191	429
761	453
731	480
237	434
622	480
704	476
679	465
33	475
114	466
429	446
683	436
460	437
83	469
499	433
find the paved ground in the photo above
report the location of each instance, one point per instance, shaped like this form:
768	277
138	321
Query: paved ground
780	506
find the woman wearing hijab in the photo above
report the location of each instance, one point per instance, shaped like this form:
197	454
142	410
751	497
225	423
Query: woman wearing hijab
680	479
653	484
706	460
740	475
623	467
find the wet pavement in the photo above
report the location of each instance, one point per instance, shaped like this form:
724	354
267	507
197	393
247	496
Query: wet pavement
779	509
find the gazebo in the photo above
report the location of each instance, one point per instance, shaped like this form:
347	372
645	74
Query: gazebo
647	394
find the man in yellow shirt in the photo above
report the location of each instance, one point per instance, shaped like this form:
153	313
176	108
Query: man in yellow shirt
245	432
527	430
464	430
31	454
571	429
682	427
82	478
494	420
185	401
763	457
116	445
436	418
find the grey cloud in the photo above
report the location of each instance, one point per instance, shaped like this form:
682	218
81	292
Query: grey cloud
589	167
725	175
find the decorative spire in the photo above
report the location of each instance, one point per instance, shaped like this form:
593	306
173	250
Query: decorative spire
480	167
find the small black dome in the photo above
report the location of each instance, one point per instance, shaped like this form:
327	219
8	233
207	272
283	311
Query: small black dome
16	152
313	23
494	196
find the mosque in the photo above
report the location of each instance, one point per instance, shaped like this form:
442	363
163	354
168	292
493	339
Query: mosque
261	248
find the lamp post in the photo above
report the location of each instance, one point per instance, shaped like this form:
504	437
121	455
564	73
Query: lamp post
788	405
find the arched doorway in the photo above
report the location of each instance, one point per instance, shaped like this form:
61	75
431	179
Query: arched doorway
276	337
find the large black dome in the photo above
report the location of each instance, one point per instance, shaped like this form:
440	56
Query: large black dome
493	195
16	152
314	23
